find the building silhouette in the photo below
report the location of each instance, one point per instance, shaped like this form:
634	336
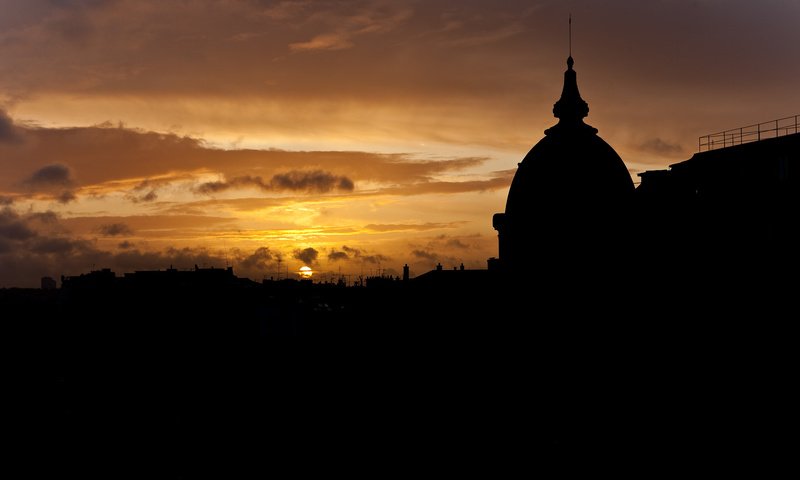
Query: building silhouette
569	196
612	322
730	208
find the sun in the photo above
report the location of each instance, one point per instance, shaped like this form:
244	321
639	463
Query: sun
305	272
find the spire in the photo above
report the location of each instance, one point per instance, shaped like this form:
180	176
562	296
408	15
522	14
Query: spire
570	109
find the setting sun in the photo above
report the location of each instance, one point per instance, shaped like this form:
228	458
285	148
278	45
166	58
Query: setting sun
305	272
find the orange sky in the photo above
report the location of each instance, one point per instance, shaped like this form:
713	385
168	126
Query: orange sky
350	135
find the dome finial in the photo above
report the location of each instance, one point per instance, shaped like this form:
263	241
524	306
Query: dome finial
570	109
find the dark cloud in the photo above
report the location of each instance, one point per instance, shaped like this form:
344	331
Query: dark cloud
374	259
8	132
56	154
315	181
147	190
125	245
12	227
661	147
351	250
456	243
48	217
261	260
54	175
356	254
306	255
335	256
312	181
114	229
66	197
425	255
150	196
237	182
5	201
58	245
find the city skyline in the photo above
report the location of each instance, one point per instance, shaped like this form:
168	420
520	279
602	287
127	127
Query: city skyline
341	135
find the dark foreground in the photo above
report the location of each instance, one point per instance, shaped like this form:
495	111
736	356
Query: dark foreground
490	381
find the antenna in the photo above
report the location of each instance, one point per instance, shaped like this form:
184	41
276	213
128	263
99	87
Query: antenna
570	34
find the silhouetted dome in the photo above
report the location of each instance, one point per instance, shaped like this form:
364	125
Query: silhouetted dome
568	169
571	164
570	194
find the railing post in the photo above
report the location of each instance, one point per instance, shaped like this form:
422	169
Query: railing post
759	131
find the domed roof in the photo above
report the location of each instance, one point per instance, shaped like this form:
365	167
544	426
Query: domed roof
571	166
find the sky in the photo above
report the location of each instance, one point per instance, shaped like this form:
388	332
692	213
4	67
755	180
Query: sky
351	136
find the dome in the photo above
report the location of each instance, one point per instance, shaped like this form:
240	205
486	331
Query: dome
569	169
570	191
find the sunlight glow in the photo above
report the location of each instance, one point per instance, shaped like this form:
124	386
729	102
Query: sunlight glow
305	272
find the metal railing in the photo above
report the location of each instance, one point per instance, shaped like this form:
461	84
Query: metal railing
750	133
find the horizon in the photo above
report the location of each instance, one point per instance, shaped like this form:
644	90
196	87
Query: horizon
345	136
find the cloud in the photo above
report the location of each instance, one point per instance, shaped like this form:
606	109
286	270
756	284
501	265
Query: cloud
164	160
169	225
147	190
12	227
48	217
316	181
328	41
54	175
52	179
5	201
313	181
306	255
150	196
261	260
238	182
114	229
8	132
66	197
397	227
352	251
425	255
26	256
484	38
356	254
59	245
422	188
335	256
286	9
661	147
456	243
374	259
354	22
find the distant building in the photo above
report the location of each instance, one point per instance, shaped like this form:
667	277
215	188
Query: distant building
170	278
49	283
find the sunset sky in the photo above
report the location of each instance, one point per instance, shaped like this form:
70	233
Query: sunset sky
346	135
